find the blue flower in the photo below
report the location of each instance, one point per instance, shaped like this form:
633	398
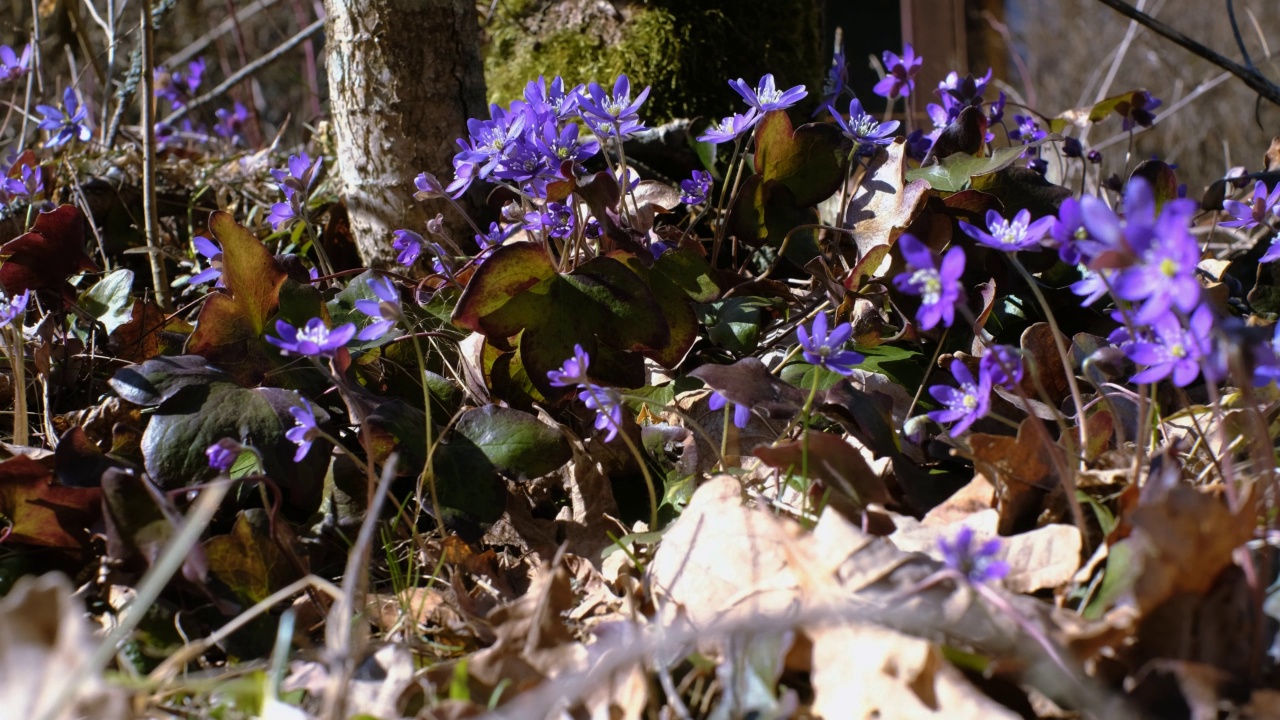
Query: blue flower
13	66
901	78
1010	235
1172	350
28	186
213	254
766	96
836	81
66	123
489	140
409	244
977	563
557	147
741	413
1003	364
613	113
1026	130
314	339
180	87
573	371
865	131
1139	112
305	431
223	454
230	122
552	100
13	307
298	175
964	405
730	128
557	220
1255	213
823	350
386	308
694	190
939	289
608	406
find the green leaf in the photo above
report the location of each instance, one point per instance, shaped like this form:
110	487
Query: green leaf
158	379
952	173
174	443
1162	179
109	299
514	441
809	160
1020	188
766	212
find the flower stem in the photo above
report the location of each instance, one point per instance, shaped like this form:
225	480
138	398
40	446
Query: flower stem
13	348
428	471
326	267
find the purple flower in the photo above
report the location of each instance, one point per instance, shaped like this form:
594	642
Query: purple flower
1094	156
13	307
1010	235
1003	364
312	340
694	190
608	406
66	123
283	214
1173	350
409	244
995	112
901	80
223	454
564	145
938	287
1027	130
178	87
1273	251
865	132
1093	286
1070	235
613	113
1161	248
730	128
918	144
823	350
230	122
1255	213
429	187
964	405
305	431
573	371
28	186
13	66
1139	112
741	413
837	79
554	99
1072	148
766	96
977	563
557	220
299	174
213	254
386	308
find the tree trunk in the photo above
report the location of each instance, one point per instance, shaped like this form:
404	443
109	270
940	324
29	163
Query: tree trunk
404	76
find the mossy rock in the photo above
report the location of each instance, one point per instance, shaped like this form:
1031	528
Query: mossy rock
686	49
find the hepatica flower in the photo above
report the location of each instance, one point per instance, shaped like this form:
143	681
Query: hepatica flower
1139	111
833	86
314	339
12	65
305	431
864	130
964	405
213	255
823	349
13	307
694	190
1020	233
901	80
1003	365
766	96
730	128
1255	213
28	186
552	99
741	413
978	562
1026	130
938	287
409	246
1172	350
179	87
613	113
223	454
608	406
66	123
573	371
230	122
386	309
556	147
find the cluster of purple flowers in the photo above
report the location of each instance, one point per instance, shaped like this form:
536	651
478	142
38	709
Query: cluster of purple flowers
606	402
179	86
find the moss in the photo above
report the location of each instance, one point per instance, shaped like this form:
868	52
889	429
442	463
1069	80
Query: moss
685	49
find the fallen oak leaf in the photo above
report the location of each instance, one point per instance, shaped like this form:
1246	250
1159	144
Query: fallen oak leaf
41	511
884	203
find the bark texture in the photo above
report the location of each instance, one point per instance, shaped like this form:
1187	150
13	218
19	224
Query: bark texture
404	76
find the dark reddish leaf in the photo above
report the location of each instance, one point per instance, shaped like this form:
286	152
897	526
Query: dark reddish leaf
40	511
45	257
